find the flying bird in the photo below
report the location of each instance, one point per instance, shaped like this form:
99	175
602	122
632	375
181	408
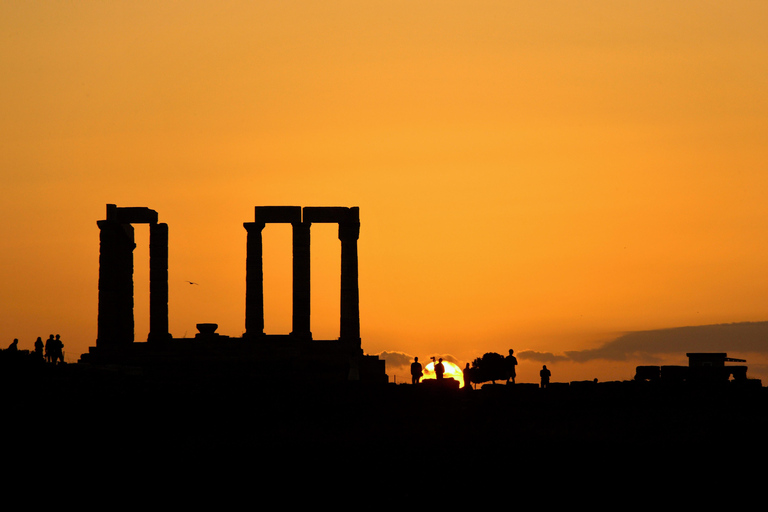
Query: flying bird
190	282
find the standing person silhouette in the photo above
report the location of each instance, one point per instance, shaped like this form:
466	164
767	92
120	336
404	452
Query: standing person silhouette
467	374
39	347
58	347
511	362
545	375
416	371
49	348
439	369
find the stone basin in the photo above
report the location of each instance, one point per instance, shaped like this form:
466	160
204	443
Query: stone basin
207	328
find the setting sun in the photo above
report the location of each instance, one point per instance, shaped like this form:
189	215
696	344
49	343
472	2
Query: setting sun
451	371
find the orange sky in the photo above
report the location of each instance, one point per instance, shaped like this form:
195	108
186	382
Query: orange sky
542	176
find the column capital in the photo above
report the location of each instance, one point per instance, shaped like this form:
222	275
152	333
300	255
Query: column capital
254	226
349	231
302	224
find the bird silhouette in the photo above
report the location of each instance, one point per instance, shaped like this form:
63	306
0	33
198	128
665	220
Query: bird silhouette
190	282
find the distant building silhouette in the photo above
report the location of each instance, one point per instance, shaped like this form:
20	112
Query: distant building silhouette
703	367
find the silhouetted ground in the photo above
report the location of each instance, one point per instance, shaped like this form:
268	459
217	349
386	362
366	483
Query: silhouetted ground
111	415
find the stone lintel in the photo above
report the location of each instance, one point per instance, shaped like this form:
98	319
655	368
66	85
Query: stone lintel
331	214
277	214
131	215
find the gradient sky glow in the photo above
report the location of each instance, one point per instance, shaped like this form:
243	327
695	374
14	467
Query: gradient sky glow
543	176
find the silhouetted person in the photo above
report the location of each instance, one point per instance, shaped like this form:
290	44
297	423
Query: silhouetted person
49	348
58	348
416	371
545	375
14	346
511	362
39	347
439	369
467	373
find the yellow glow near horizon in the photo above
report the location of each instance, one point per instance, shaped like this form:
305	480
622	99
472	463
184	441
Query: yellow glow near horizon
451	371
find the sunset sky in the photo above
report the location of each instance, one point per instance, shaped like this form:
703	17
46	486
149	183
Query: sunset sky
583	182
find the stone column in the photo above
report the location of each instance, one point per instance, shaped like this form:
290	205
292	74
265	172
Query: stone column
158	282
254	281
301	281
115	315
349	232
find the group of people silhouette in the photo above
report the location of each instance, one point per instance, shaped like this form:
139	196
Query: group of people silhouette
52	351
511	362
510	368
417	371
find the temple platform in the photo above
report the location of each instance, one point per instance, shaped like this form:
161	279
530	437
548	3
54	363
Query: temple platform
267	357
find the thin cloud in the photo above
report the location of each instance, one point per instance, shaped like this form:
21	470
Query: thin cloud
749	337
447	357
542	357
396	359
404	360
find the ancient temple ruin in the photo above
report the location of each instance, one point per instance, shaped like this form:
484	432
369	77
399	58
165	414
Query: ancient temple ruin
295	354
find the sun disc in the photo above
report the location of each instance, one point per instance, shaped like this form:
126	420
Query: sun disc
451	370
